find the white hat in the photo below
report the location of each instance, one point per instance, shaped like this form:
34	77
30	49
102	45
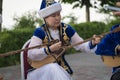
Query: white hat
49	7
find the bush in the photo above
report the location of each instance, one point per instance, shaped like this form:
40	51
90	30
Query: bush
112	23
86	30
13	40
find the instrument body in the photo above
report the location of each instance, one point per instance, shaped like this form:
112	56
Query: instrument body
111	61
48	59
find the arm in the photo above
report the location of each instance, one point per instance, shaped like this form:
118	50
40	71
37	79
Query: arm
75	38
37	53
41	53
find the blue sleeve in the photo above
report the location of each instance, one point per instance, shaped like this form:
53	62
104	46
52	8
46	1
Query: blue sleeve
39	33
106	46
70	31
108	43
91	46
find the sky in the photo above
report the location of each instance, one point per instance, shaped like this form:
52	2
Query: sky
13	8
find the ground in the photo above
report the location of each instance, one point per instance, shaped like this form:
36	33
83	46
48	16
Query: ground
85	66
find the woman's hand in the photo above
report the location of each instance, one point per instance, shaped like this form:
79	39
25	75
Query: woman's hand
55	46
96	39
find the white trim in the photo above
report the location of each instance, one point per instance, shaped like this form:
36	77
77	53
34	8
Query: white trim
49	10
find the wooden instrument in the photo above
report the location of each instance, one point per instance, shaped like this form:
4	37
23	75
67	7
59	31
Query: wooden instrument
49	59
18	51
111	61
53	57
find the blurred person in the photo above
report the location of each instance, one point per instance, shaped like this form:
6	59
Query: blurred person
110	46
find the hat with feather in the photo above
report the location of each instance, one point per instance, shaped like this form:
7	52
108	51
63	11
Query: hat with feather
49	7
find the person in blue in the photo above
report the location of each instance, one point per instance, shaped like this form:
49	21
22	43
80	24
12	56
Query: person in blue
51	30
110	46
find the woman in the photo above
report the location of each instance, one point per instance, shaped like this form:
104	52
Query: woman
54	29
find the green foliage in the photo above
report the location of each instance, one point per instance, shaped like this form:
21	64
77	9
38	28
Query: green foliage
13	40
90	3
71	17
86	30
28	20
112	23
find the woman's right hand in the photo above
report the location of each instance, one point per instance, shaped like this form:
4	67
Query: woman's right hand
55	46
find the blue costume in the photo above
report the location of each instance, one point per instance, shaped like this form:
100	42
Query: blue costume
108	45
53	29
66	32
42	35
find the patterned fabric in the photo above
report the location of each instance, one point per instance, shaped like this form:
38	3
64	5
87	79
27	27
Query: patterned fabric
66	29
39	32
53	71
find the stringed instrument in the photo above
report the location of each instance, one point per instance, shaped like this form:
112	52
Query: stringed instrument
52	58
48	59
111	61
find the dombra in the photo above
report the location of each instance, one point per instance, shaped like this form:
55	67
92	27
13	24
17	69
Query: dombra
49	59
111	61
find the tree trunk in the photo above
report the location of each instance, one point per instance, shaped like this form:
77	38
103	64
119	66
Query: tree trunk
87	14
1	1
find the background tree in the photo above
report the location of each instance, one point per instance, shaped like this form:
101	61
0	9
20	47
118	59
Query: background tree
27	20
71	17
88	4
1	1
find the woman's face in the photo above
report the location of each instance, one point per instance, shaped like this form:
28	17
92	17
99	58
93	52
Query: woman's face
54	20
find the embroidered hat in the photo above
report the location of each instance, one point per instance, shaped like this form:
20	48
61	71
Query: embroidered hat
49	7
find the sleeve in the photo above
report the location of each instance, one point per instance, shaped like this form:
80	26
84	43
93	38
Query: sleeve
84	47
70	31
37	53
75	38
109	44
39	33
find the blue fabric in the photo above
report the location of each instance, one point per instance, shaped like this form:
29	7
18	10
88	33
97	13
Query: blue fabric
115	69
43	4
70	31
90	45
39	32
108	43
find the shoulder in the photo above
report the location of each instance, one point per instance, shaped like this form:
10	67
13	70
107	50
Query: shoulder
115	26
70	31
39	32
116	34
